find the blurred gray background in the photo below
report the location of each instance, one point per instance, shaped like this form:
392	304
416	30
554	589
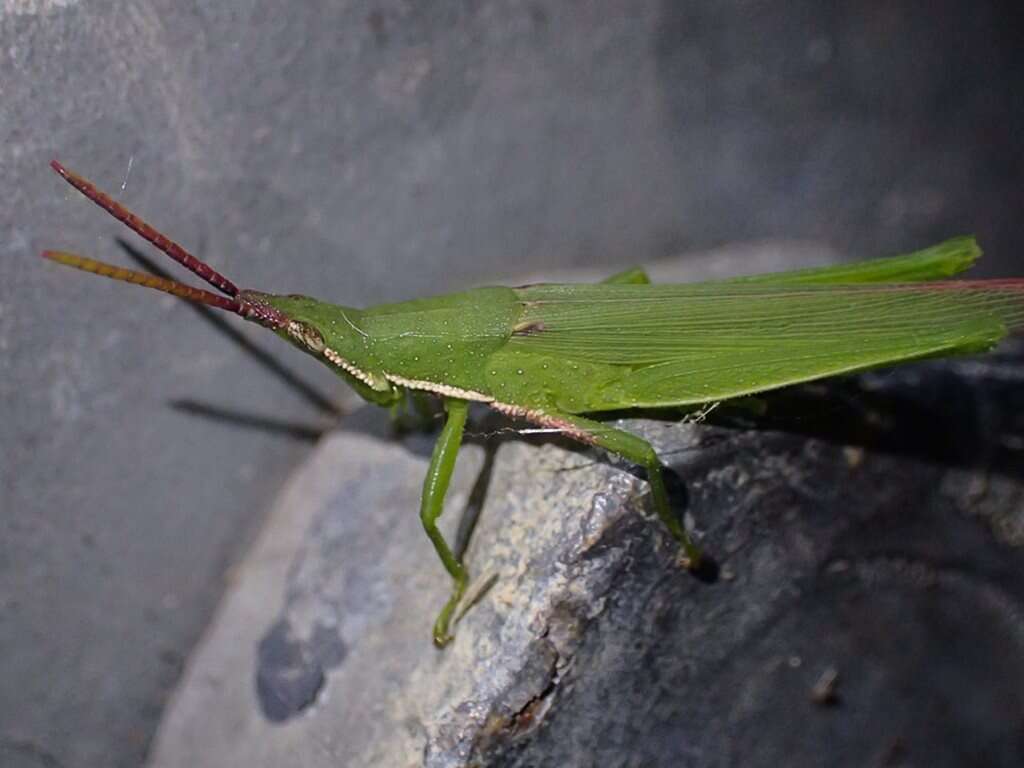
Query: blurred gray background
367	151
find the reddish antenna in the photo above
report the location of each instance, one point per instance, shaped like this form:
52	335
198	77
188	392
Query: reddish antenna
141	278
137	225
248	306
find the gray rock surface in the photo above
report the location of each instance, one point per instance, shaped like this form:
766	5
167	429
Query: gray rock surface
868	610
380	149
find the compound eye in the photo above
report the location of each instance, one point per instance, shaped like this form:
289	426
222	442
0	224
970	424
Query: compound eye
314	340
309	335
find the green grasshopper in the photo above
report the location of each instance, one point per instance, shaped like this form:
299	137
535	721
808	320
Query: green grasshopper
556	355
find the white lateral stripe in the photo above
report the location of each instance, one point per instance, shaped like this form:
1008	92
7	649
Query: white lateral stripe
426	386
346	366
530	414
441	389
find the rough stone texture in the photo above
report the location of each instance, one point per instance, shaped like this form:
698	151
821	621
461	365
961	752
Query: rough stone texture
869	532
373	150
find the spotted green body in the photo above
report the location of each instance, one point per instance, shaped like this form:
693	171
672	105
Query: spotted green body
437	345
559	354
579	349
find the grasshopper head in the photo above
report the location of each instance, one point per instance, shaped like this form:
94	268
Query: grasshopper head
314	326
300	317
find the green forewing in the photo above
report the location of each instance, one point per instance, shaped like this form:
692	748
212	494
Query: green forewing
945	259
707	341
579	348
